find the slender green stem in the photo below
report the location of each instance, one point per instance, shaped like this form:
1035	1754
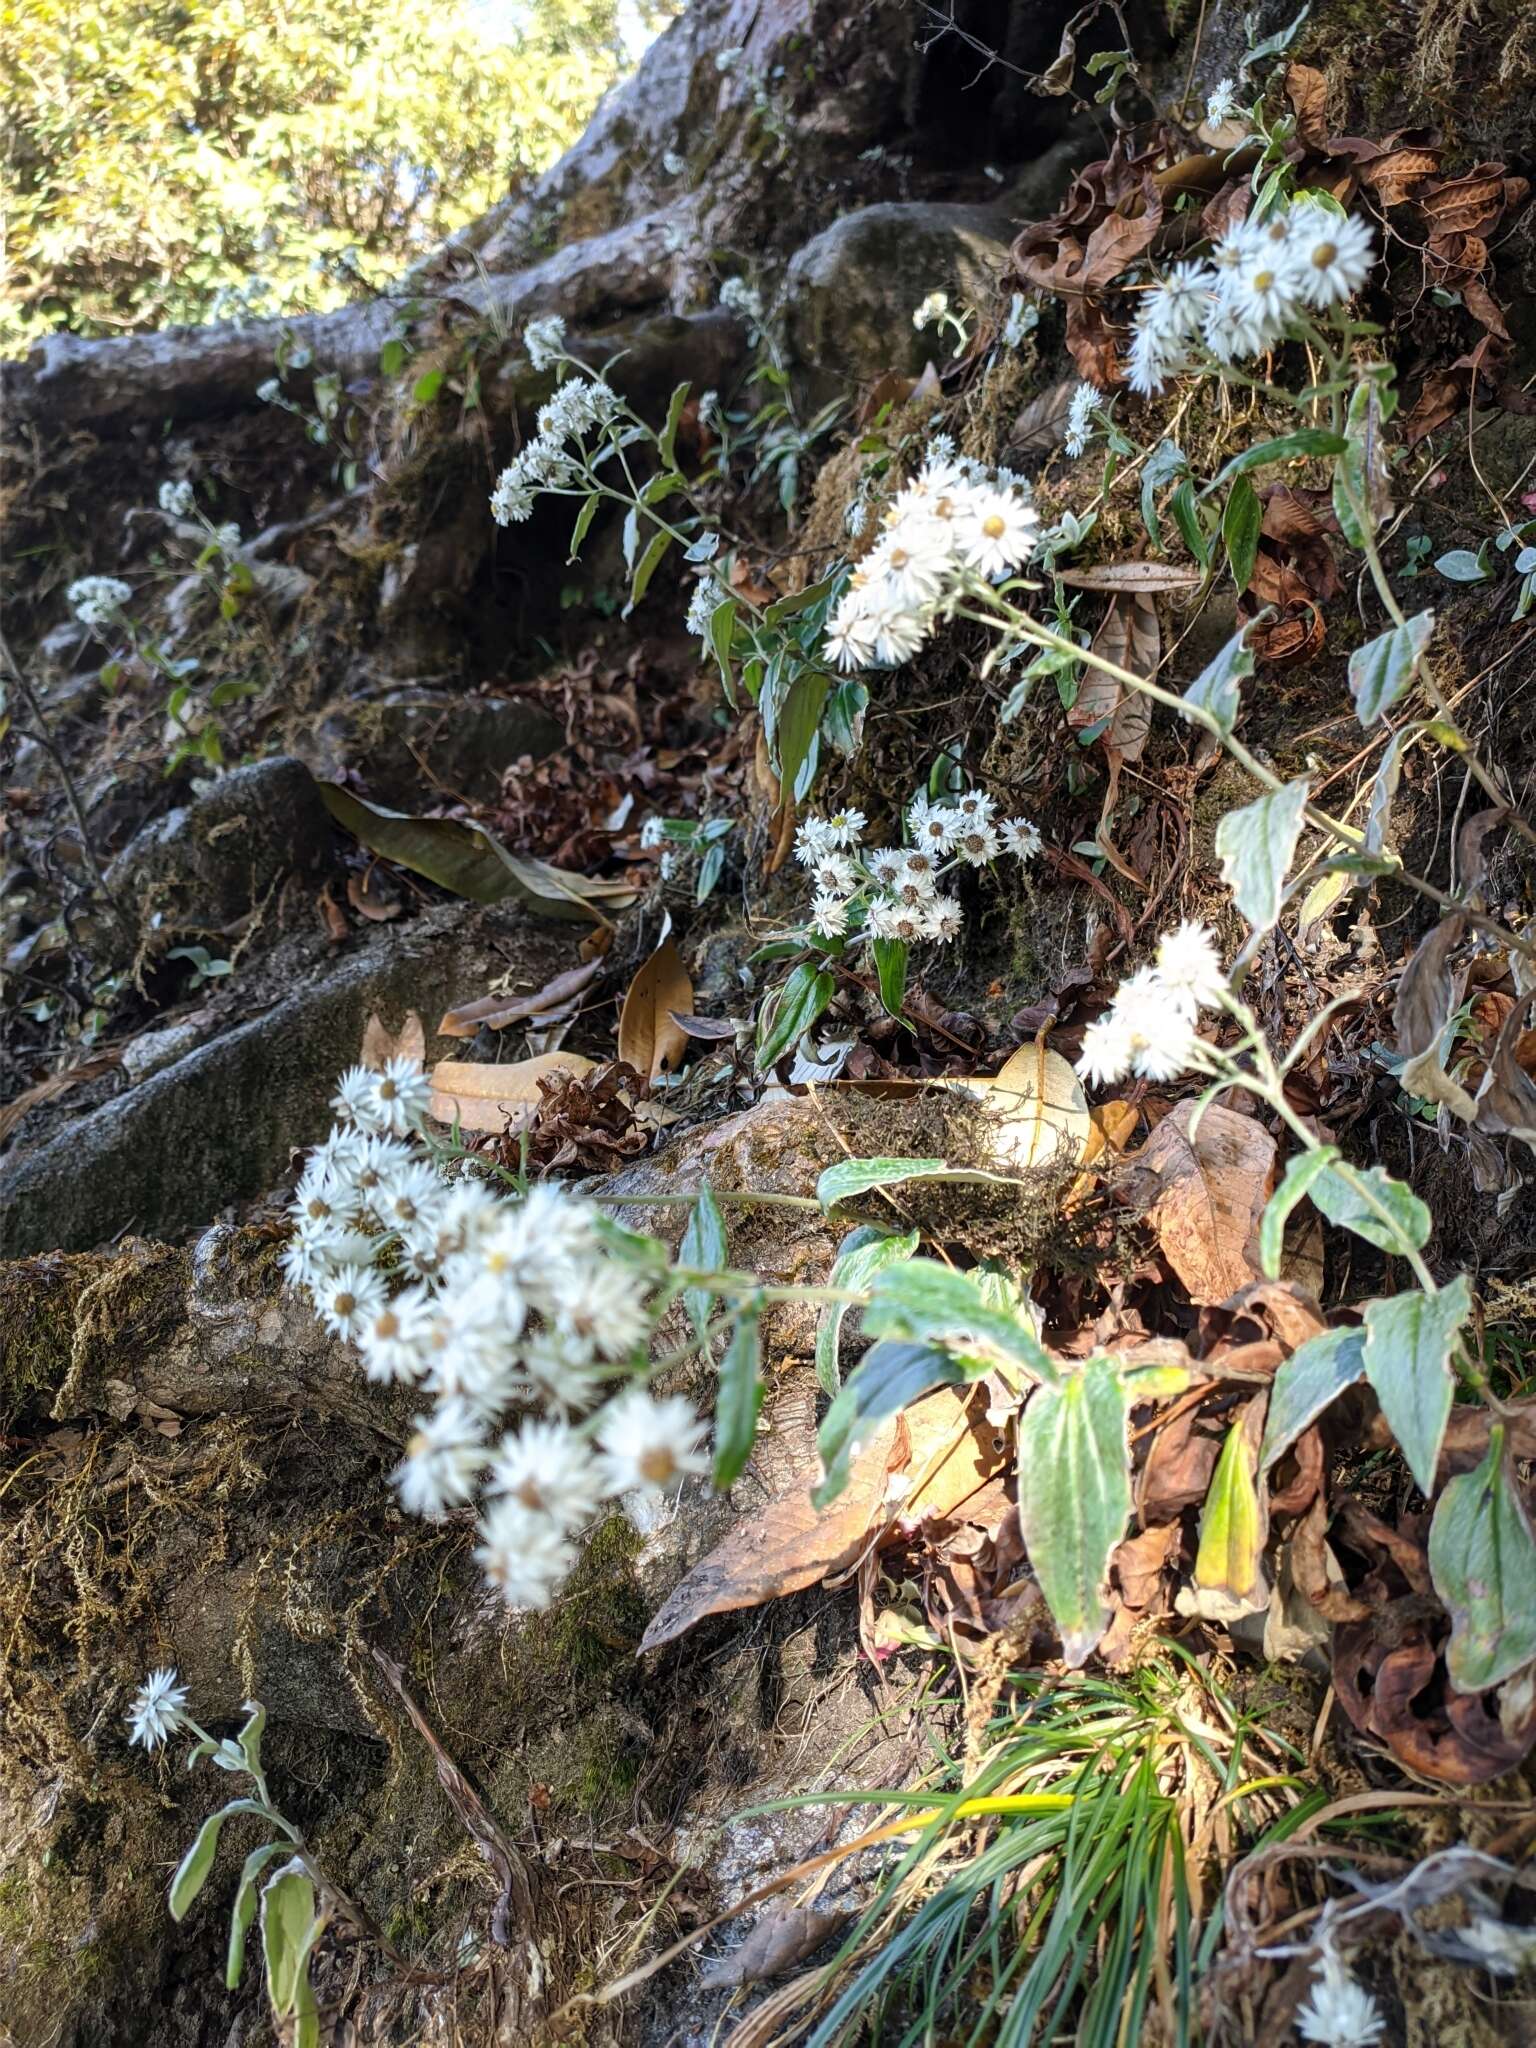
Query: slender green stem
745	1198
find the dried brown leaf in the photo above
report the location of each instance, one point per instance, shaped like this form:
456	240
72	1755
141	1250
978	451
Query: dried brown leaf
1212	1191
494	1013
485	1097
650	1040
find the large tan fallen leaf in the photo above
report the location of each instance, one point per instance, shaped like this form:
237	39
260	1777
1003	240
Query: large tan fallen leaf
381	1044
650	1038
1212	1194
954	1452
1042	1113
482	1097
780	1548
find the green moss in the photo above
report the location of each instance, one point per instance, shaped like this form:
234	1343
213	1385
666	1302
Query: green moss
601	1614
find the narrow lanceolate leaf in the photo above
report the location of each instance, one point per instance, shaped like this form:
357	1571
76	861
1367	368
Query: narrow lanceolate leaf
1482	1558
584	520
650	561
1256	846
888	1378
863	1253
192	1871
800	1002
287	1916
1362	484
667	440
1300	1173
1217	688
1368	1201
703	1247
891	956
1074	1479
1229	1578
1408	1341
1305	441
1382	669
244	1909
1309	1381
1240	524
739	1398
934	1303
857	1176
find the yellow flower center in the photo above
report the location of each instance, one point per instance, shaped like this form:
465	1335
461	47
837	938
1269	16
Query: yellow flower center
994	526
657	1465
388	1325
1262	280
1323	255
345	1304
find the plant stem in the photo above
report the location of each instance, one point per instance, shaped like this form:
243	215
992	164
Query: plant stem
745	1198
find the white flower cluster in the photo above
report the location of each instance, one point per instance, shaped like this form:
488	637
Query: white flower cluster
1340	2011
157	1709
709	593
93	599
544	340
580	404
737	296
177	499
1022	318
931	311
1149	1029
1079	431
955	520
1222	103
1263	277
269	391
892	892
488	1303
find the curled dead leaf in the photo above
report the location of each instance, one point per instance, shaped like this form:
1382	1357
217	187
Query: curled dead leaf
1209	1195
650	1039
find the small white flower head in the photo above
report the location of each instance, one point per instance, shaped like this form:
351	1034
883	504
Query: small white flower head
1108	1049
648	1444
606	1316
443	1460
348	1299
673	164
931	311
1022	318
899	635
910	564
400	1097
851	637
829	915
523	1556
942	920
1340	2011
547	1469
702	601
1265	289
737	296
269	391
1080	419
997	533
571	1383
813	841
177	498
933	826
1178	305
354	1095
1020	838
887	865
727	60
1333	258
835	875
1160	1020
94	599
156	1712
846	828
409	1199
1222	104
1189	964
920	870
976	843
907	922
544	340
393	1339
512	499
227	536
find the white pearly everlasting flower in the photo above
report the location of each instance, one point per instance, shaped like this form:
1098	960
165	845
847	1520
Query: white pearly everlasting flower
393	1339
737	296
269	391
648	1444
1340	2011
1188	963
399	1098
443	1460
544	340
829	915
349	1297
1020	838
931	311
1021	319
1079	431
94	599
673	164
547	1469
1333	257
177	498
524	1557
157	1709
942	920
1221	105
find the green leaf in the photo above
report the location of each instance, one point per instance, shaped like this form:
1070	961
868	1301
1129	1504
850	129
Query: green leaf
427	386
1305	441
244	1910
800	600
1408	1342
250	1735
650	561
667	439
1256	846
1185	508
1074	1488
287	1936
842	719
1362	496
1381	670
864	1252
1462	566
1232	1530
1309	1381
1240	524
805	994
1482	1559
891	956
192	1871
704	1247
584	519
661	485
1342	1198
851	1177
1300	1173
709	872
1164	463
739	1398
631	537
1216	689
392	357
471	863
888	1378
722	625
797	723
935	1304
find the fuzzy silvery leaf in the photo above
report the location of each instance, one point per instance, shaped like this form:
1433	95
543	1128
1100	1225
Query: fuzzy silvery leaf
1256	846
1216	688
1381	670
1482	1558
1075	1496
1408	1343
1309	1381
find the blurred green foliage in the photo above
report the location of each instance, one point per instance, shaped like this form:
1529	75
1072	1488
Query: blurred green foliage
185	160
